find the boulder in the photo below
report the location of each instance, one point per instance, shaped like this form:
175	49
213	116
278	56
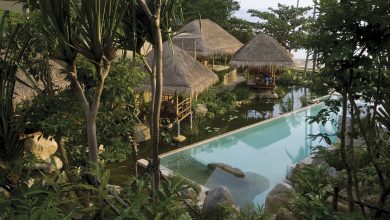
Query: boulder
201	110
188	193
179	139
267	95
284	214
200	198
216	198
227	168
53	164
292	174
278	196
141	132
40	147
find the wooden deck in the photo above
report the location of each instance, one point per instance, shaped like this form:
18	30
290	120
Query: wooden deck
175	107
261	85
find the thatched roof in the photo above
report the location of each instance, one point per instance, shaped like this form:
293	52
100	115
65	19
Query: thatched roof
182	73
262	51
23	92
210	38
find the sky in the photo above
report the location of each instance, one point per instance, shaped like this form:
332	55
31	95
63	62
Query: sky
264	5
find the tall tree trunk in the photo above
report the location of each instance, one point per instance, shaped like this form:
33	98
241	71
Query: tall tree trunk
343	149
351	153
90	111
63	153
158	50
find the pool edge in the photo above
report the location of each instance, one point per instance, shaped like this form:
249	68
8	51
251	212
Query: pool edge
241	129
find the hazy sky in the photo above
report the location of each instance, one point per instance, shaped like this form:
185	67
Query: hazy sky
265	4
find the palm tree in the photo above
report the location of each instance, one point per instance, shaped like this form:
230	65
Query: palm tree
155	17
87	27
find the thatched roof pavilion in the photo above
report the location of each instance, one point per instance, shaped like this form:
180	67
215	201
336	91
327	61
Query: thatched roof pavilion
23	88
183	79
261	56
262	51
182	73
207	37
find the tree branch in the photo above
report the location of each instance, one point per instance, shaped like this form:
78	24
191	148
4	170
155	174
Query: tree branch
145	8
78	90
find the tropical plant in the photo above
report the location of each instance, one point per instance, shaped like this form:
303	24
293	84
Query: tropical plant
156	19
287	24
88	27
11	149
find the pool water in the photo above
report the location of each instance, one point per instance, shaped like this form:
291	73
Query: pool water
264	152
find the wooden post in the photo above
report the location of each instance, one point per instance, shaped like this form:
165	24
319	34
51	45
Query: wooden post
274	76
177	105
213	62
191	121
225	59
177	128
195	49
182	43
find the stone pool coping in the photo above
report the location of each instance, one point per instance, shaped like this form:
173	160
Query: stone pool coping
244	128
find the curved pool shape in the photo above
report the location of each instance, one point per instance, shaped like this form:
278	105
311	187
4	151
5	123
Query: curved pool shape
264	152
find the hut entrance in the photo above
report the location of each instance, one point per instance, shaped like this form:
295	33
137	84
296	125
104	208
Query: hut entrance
174	106
262	78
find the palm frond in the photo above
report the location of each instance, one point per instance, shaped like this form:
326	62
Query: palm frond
11	148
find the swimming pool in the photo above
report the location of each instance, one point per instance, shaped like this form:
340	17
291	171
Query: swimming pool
264	152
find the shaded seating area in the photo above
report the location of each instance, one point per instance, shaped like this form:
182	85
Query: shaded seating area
184	79
175	106
263	57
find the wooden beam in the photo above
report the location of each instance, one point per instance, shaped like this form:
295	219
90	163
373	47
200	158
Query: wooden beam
195	49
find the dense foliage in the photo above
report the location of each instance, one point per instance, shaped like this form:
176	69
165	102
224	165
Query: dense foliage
286	24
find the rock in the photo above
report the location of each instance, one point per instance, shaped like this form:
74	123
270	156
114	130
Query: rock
4	193
215	198
201	110
101	149
40	147
50	165
268	95
273	217
278	196
188	193
201	197
292	174
284	214
227	168
179	139
141	132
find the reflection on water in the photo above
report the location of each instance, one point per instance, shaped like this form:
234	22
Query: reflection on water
256	111
264	153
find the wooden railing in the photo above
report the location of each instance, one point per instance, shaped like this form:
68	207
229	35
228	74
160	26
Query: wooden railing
183	109
173	107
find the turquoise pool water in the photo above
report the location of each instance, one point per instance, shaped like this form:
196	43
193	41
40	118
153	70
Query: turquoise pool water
265	152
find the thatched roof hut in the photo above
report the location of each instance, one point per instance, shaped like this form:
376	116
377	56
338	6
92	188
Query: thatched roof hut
262	51
182	73
23	87
207	37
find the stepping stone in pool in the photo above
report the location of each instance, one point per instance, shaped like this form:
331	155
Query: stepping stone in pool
227	168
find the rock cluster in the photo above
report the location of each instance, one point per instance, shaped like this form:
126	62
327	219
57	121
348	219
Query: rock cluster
43	150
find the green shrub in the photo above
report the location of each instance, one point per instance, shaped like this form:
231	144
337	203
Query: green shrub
217	103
